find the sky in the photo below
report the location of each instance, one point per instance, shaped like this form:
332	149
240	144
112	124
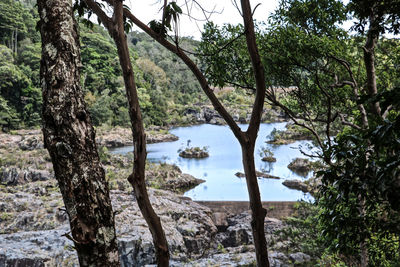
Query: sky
227	13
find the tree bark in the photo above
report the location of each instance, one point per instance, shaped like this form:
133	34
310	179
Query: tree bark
115	28
70	139
369	61
258	212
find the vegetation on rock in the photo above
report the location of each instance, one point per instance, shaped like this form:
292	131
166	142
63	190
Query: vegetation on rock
194	152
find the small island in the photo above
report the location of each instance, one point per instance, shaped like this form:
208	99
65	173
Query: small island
194	152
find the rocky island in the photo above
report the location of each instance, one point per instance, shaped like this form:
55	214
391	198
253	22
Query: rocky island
194	152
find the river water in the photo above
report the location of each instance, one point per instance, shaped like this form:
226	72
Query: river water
225	160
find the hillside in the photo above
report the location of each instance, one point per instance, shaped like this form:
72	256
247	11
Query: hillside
162	89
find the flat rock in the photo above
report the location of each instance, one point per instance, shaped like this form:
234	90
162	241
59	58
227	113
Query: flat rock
259	174
297	185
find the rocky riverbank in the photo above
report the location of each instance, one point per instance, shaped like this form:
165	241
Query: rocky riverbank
34	225
291	134
206	114
33	222
28	140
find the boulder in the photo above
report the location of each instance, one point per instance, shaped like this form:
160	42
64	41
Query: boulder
300	165
30	143
299	258
259	174
16	176
297	185
194	152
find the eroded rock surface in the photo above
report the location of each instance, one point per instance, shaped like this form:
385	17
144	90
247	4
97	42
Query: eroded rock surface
297	185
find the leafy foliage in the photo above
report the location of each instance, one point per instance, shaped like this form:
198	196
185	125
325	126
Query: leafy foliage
163	91
316	72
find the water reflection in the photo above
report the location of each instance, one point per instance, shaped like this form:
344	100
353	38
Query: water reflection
225	160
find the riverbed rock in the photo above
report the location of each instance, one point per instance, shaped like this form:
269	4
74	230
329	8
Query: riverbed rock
15	176
239	231
259	174
194	152
269	159
170	177
300	166
31	143
37	249
297	185
188	226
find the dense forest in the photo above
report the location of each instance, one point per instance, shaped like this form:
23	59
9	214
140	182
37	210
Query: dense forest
163	90
340	86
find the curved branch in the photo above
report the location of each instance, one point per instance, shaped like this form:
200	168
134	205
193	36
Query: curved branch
258	69
106	20
196	71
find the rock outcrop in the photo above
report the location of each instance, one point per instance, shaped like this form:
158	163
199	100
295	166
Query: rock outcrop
297	185
207	114
15	176
259	174
188	226
269	159
194	153
170	177
300	166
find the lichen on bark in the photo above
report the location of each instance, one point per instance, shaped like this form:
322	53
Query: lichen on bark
70	139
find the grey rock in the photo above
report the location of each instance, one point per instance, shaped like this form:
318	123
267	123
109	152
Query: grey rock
259	174
300	166
297	185
38	248
299	257
30	143
15	176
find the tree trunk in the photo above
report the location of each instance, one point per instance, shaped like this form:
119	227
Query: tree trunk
70	139
248	144
258	213
369	61
115	28
137	178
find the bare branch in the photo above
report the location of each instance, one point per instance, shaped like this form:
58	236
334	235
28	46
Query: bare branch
344	122
353	83
258	69
196	71
106	20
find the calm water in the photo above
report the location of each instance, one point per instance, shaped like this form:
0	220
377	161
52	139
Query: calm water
225	160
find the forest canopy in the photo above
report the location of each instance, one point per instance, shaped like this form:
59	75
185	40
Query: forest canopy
162	89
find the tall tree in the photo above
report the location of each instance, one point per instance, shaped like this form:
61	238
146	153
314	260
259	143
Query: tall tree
70	139
318	75
116	28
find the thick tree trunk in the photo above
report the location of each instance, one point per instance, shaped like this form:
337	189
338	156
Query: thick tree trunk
70	139
115	28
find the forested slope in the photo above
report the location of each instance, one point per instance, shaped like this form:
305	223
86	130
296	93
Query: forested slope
162	89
